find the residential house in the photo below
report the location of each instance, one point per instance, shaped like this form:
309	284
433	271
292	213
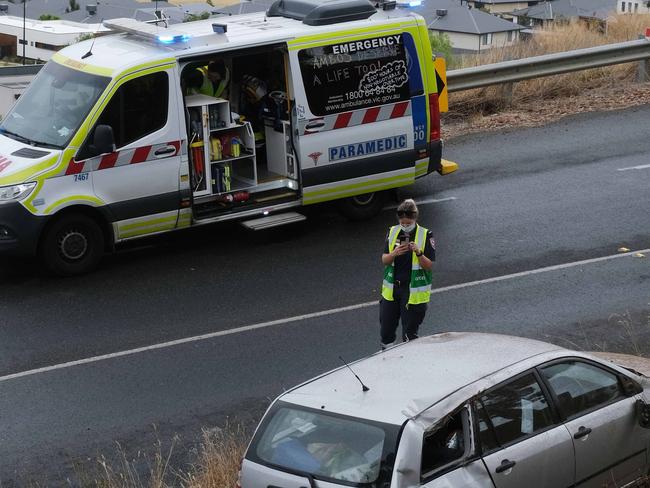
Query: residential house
502	8
633	7
469	29
41	38
549	12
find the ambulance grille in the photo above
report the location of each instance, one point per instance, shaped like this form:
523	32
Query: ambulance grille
317	12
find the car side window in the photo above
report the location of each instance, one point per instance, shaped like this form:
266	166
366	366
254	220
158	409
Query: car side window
443	445
486	432
581	386
137	108
514	411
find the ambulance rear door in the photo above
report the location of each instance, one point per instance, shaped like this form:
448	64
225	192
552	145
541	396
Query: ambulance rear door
358	129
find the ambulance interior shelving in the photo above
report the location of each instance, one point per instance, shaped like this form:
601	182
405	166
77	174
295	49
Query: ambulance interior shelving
240	146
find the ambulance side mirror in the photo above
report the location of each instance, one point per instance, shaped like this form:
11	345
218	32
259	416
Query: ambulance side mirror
103	140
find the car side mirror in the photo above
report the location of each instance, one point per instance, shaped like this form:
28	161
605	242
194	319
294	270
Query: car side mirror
630	387
103	139
643	414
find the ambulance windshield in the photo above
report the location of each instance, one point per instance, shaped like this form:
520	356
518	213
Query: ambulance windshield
50	111
330	447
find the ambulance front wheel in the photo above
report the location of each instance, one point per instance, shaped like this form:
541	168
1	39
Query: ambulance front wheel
72	244
362	207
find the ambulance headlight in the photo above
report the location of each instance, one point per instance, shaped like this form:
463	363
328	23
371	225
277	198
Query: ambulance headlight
16	192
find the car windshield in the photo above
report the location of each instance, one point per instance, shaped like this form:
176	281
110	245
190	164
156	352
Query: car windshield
327	446
51	110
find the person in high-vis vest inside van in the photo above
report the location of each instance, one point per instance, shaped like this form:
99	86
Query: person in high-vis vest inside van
216	79
409	252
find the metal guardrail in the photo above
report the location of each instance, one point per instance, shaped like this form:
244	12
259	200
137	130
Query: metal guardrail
548	64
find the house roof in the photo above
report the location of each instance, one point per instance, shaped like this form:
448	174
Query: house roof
558	9
49	26
463	19
245	7
139	10
105	9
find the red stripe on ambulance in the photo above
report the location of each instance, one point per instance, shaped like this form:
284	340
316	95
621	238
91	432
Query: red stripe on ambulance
370	115
399	109
108	161
75	167
357	117
177	145
342	120
140	154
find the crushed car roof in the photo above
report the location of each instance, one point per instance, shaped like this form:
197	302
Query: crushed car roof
417	374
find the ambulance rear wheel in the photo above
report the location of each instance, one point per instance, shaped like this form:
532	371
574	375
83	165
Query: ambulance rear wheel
362	207
73	244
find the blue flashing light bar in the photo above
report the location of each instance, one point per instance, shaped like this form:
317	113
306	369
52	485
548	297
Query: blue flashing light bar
172	39
409	3
146	30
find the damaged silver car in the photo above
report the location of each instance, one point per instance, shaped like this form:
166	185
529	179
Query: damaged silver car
458	410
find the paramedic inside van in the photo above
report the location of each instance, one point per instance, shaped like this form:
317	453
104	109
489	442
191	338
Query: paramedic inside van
212	80
409	252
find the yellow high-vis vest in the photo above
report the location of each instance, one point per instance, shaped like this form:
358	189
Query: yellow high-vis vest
420	285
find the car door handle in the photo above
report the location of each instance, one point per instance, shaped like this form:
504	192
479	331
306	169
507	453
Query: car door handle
164	150
582	432
505	465
319	124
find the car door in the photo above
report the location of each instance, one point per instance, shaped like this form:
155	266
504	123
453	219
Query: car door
522	442
448	455
360	111
140	180
610	446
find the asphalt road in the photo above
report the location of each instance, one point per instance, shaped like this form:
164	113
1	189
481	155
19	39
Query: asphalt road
560	196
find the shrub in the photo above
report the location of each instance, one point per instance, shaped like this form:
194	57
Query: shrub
441	46
193	17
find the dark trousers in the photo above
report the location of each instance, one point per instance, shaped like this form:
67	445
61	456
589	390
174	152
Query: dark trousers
390	313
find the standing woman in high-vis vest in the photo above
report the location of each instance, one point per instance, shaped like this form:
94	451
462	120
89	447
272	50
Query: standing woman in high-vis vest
408	257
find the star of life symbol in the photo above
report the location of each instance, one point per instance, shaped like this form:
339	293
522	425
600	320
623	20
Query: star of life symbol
314	156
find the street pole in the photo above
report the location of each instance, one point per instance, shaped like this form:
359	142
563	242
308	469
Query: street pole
24	16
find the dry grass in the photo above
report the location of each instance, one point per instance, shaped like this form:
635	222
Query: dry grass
215	465
220	454
555	39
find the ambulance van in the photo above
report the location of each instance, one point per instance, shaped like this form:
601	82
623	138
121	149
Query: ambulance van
115	140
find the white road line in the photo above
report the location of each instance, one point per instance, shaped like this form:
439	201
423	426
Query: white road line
423	202
645	166
263	325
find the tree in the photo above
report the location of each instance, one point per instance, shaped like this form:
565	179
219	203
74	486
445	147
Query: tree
48	17
441	46
193	17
